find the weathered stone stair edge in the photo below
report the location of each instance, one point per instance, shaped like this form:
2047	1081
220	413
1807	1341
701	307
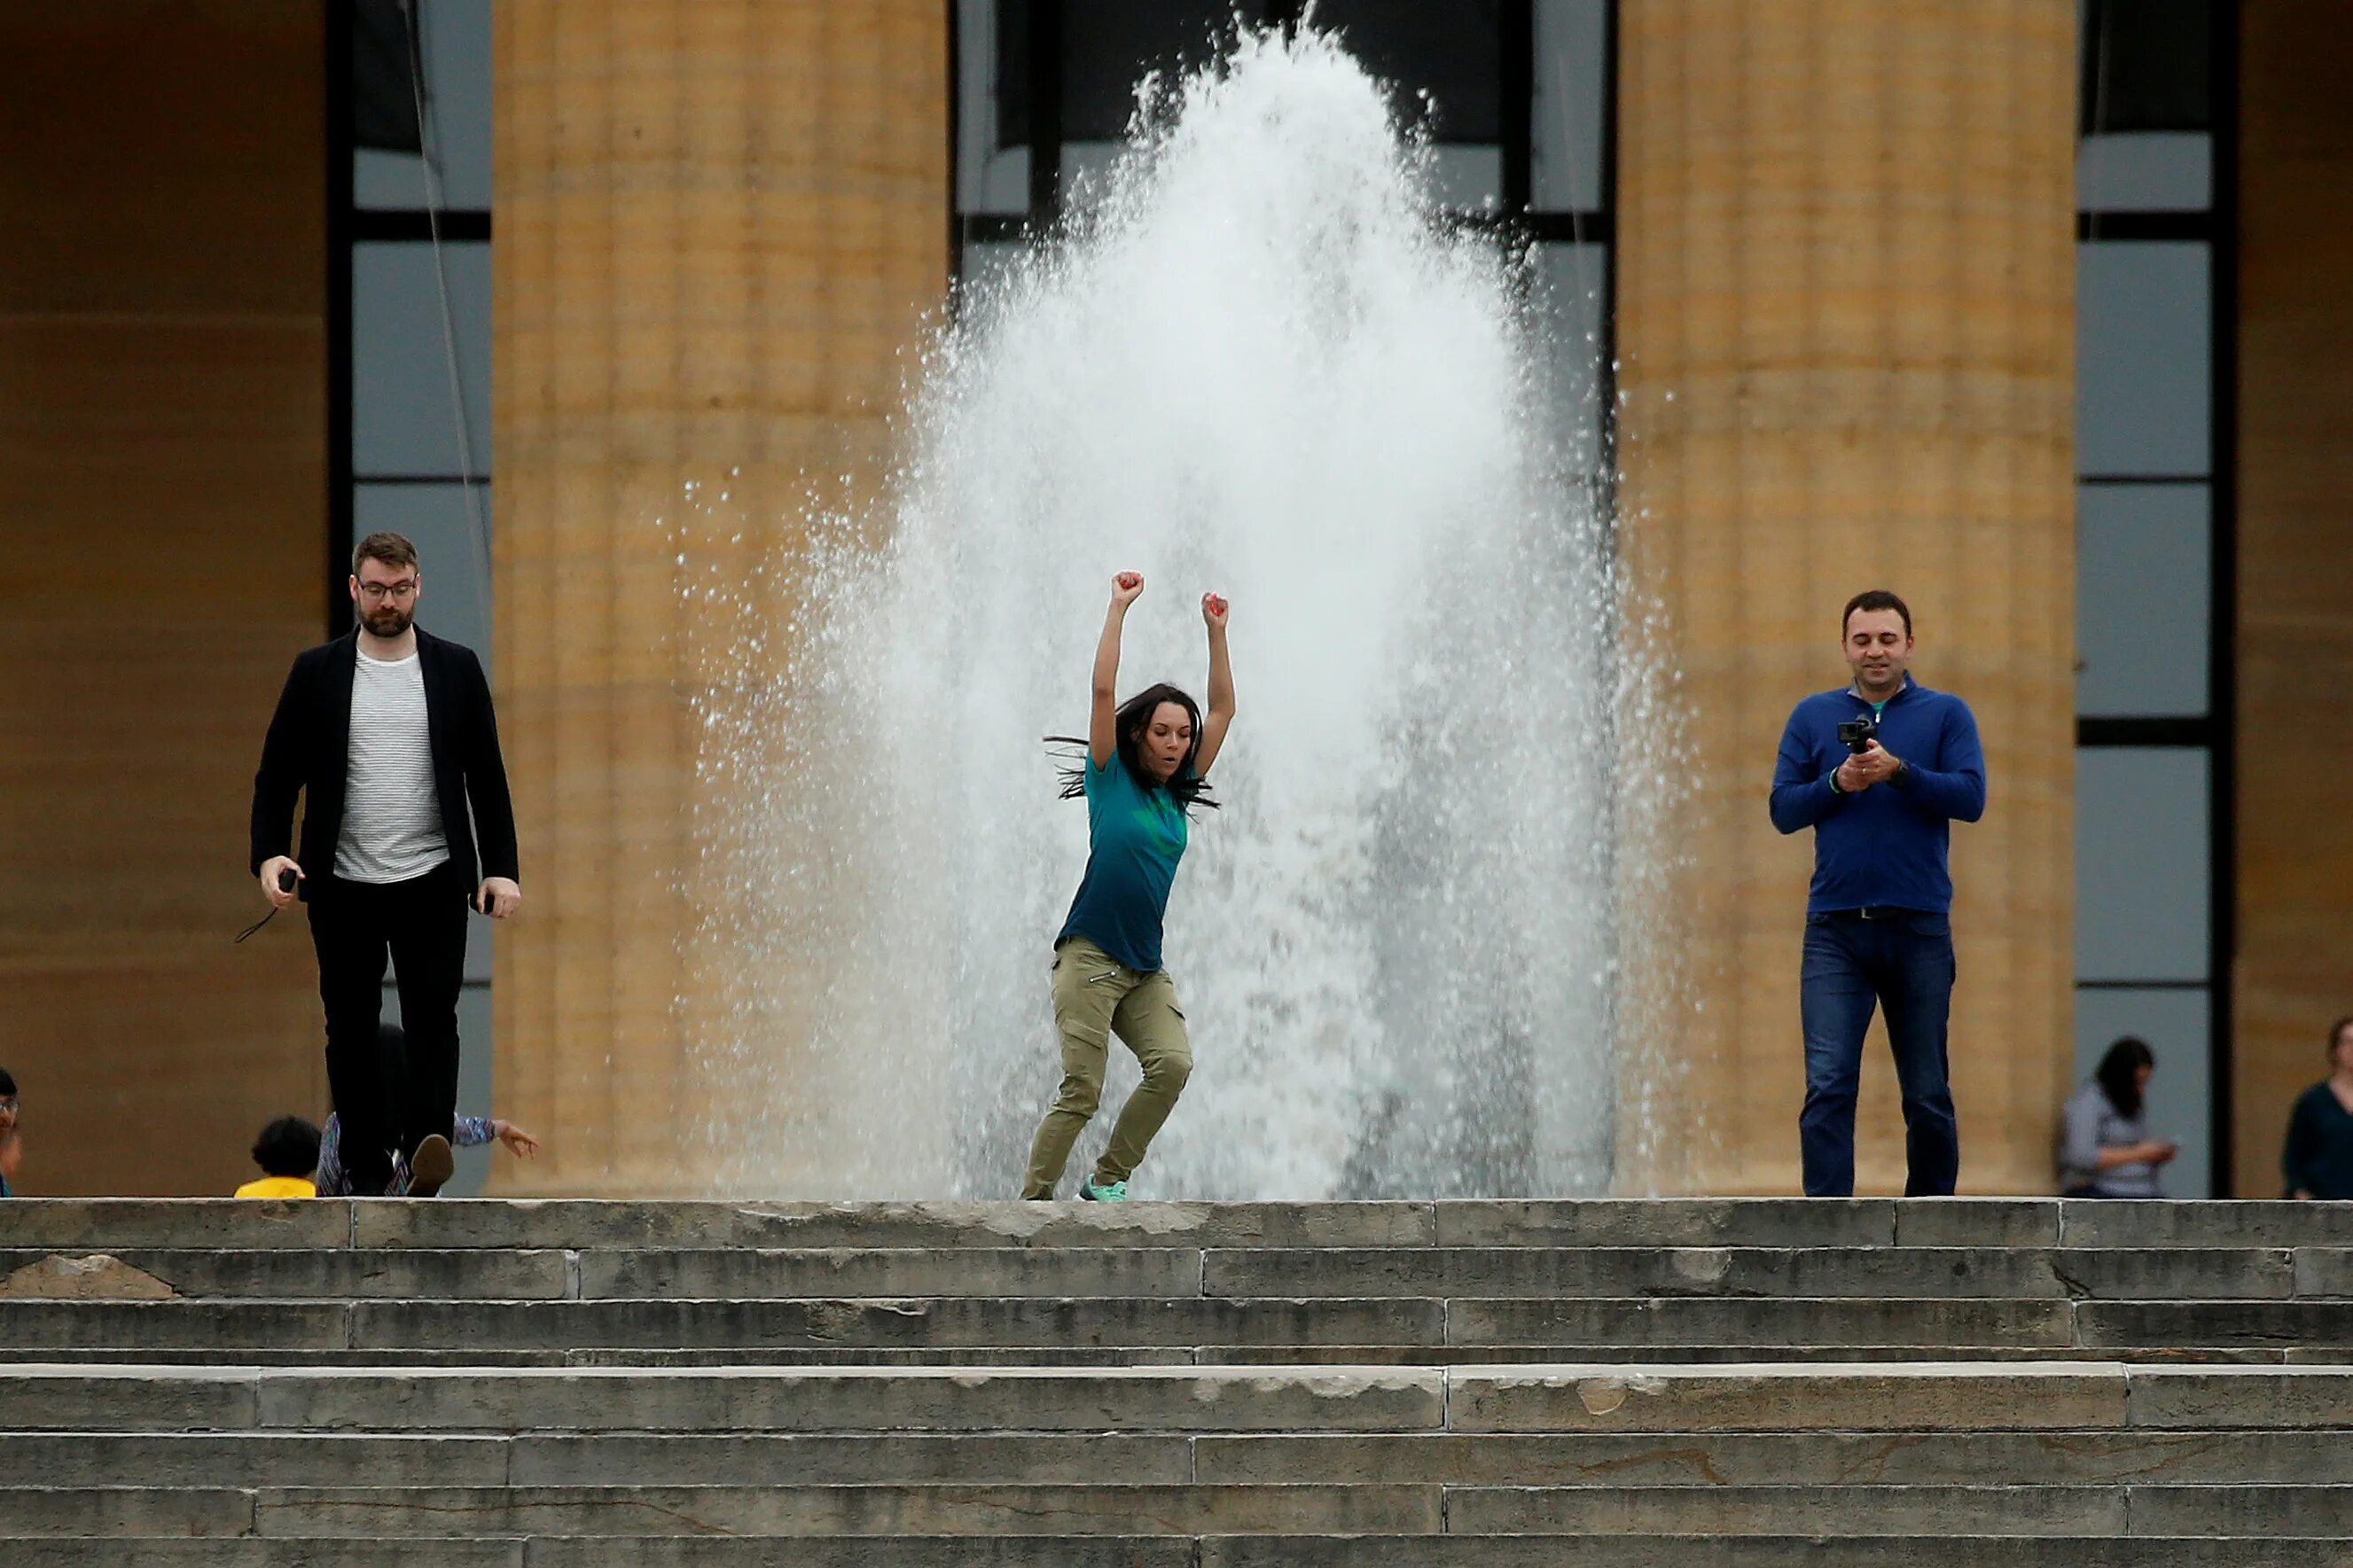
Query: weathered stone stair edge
1944	1549
1860	1396
1182	1509
525	1222
1296	1357
2177	1456
1191	1322
2311	1272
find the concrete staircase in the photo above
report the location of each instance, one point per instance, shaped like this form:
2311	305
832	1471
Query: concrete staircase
1493	1383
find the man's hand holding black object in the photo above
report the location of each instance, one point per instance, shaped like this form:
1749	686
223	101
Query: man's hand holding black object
278	896
499	897
1876	764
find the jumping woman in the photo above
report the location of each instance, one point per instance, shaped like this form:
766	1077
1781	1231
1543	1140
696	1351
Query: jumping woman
1146	768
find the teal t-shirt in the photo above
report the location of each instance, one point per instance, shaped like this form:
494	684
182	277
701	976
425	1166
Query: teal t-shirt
1134	837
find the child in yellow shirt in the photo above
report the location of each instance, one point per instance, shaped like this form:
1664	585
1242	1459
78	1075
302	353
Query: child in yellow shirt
287	1151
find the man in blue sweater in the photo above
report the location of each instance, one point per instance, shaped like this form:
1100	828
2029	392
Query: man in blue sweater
1877	922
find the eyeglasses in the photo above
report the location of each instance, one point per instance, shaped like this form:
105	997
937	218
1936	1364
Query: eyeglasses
376	592
7	1102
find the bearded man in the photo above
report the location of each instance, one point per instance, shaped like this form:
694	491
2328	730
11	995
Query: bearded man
390	734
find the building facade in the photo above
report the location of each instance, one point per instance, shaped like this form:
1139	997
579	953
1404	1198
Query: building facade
2025	310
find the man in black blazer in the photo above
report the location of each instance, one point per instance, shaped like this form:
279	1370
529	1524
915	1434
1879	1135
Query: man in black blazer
390	735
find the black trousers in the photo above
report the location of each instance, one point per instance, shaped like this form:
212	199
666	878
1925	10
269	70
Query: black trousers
421	925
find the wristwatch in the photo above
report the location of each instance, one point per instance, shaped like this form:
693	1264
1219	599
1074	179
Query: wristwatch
1902	775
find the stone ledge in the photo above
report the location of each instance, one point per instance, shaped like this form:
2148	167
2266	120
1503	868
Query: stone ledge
1765	1397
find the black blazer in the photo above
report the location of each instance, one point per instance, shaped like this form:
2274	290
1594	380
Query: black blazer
308	748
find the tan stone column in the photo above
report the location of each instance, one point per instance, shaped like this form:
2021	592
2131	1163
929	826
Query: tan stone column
1845	322
719	222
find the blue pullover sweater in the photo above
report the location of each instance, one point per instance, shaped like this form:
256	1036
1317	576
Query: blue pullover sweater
1886	846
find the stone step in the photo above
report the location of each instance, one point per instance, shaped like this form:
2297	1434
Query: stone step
1454	1550
1951	1459
1428	1326
1759	1381
282	1273
1655	1398
172	1399
1409	1506
1628	1352
1863	1397
254	1553
1546	1272
491	1459
1921	1457
1550	1272
485	1273
112	1223
789	1355
2019	1506
1802	1550
936	1509
627	1552
1073	1356
2003	1325
395	1326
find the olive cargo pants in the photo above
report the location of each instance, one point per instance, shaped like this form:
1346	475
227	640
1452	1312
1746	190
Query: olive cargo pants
1096	997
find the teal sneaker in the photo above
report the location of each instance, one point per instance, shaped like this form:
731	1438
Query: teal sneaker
1115	1193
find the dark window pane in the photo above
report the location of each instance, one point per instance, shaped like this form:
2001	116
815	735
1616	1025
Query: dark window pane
1450	49
1012	72
383	83
1108	46
2145	66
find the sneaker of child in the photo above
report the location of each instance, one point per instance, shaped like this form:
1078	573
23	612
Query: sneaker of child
287	1151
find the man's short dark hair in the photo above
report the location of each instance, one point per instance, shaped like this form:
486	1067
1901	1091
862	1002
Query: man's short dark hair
9	1085
287	1147
1875	599
391	548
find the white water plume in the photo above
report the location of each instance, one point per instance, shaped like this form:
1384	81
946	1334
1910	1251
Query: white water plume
1258	361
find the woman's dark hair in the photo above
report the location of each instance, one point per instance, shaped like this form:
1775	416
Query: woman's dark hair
1128	725
9	1085
2119	1073
2335	1033
287	1147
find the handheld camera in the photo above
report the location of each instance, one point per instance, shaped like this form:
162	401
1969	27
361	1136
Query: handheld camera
1856	735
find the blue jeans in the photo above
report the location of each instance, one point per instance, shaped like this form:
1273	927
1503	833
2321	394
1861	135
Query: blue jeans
1903	960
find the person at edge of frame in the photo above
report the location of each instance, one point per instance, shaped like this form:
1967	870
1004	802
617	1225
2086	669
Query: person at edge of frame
2317	1156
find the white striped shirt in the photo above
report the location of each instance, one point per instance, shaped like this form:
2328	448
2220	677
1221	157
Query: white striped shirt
391	817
